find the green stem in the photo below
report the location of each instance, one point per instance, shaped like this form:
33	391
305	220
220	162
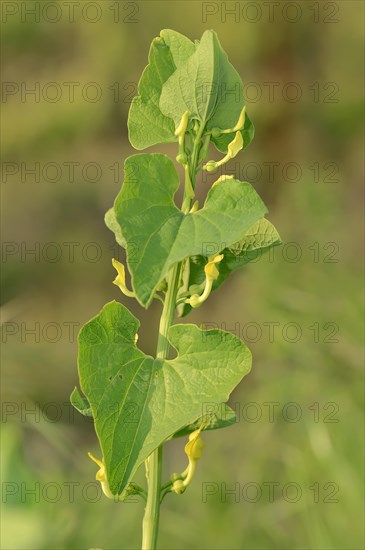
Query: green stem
192	171
154	461
154	467
195	154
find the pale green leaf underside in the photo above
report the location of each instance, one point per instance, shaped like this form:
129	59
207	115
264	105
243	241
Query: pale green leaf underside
181	47
146	123
112	224
207	86
161	234
221	416
133	396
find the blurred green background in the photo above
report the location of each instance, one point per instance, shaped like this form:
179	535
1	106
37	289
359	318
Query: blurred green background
299	309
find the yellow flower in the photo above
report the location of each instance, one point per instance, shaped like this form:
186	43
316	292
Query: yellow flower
120	278
211	274
235	146
194	447
216	132
181	129
180	133
101	476
194	450
240	122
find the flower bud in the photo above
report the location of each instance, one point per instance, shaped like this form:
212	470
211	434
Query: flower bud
194	301
178	487
210	166
181	129
216	132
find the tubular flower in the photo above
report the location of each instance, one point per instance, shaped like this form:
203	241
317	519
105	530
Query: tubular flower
120	279
216	132
194	450
233	149
101	476
211	275
180	134
131	489
181	129
240	122
194	447
235	146
182	156
211	270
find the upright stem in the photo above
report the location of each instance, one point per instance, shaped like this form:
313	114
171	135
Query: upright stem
195	154
154	461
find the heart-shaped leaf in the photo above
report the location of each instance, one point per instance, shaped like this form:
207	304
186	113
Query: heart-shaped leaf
133	396
146	123
215	417
161	234
210	89
152	120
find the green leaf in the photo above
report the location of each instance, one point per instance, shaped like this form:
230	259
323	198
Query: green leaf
189	88
257	240
161	234
147	125
134	397
181	47
151	122
261	236
80	403
222	417
112	224
209	87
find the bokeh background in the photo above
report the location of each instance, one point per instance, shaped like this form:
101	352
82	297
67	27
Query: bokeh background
297	471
